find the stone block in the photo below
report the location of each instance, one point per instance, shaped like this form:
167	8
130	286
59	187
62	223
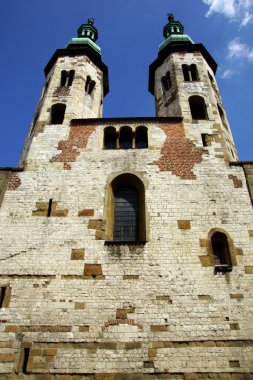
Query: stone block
79	305
234	363
86	212
77	254
237	296
159	328
95	224
205	261
202	243
132	345
204	297
249	270
121	314
184	224
84	328
93	270
49	351
234	326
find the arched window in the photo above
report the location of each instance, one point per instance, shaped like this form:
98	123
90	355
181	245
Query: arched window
141	138
221	252
190	73
89	85
110	138
166	82
126	210
126	138
198	108
57	113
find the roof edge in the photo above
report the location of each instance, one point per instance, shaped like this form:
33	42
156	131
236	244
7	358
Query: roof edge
111	120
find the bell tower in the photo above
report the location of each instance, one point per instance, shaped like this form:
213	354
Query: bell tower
75	86
182	80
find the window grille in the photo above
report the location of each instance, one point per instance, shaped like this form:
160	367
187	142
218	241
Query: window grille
126	214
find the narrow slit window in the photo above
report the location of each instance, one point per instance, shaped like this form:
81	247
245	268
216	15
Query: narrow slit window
49	209
71	77
25	359
166	82
89	85
185	69
64	77
2	295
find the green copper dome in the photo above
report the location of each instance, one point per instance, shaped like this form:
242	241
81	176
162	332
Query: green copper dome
87	35
173	32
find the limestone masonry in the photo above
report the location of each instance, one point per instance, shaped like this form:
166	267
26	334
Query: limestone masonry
127	243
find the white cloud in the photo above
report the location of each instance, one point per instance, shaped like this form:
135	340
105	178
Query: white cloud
227	74
239	50
235	10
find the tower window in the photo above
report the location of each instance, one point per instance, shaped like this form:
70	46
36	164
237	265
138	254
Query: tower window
110	138
89	85
198	108
58	113
141	138
126	138
166	82
220	249
190	73
67	78
126	209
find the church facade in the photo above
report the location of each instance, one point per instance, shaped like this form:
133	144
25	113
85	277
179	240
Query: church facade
127	243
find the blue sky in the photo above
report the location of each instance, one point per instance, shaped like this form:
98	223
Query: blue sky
129	34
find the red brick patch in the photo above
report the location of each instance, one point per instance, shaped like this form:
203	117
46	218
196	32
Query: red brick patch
14	182
78	138
179	154
237	182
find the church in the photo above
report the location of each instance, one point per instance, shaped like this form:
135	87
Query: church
127	243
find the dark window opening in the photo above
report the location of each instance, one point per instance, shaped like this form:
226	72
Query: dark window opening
190	73
198	108
49	209
71	77
205	141
67	78
110	138
141	138
89	85
221	251
58	113
210	78
126	214
126	138
194	72
2	295
166	82
25	359
186	73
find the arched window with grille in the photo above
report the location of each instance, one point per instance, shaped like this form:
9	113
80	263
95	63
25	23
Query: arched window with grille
126	214
141	137
126	221
198	108
110	138
58	113
126	138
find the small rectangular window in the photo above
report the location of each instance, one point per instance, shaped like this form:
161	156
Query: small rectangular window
49	209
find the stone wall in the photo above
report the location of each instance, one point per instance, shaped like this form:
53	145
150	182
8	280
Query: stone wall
90	310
